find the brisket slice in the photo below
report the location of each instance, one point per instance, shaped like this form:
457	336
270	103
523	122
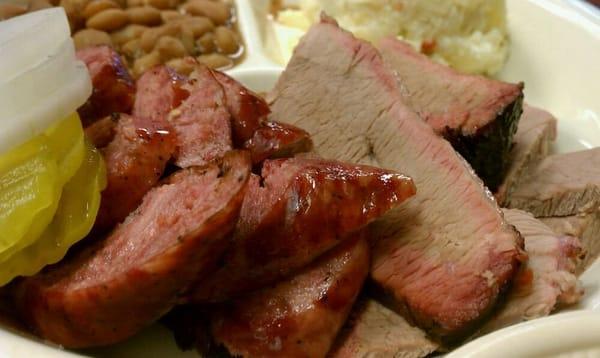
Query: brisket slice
547	281
113	86
447	254
562	185
109	291
585	227
373	330
536	132
300	316
135	160
478	115
299	209
277	140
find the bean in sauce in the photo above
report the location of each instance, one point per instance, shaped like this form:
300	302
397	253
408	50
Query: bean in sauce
151	32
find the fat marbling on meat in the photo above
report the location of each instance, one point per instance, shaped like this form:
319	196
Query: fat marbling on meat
446	255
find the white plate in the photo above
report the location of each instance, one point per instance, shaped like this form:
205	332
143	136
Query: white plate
556	52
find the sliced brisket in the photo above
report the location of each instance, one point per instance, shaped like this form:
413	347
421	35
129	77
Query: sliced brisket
373	330
447	254
113	86
585	227
547	281
562	185
301	316
109	291
302	208
537	131
135	160
478	115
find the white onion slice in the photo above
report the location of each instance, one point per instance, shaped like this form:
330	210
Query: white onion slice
26	40
41	85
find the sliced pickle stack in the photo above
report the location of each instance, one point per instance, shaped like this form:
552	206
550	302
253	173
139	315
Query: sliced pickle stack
50	177
50	193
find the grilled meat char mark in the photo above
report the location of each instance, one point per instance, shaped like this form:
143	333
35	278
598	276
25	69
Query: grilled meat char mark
113	86
135	160
302	208
111	290
298	317
477	115
447	254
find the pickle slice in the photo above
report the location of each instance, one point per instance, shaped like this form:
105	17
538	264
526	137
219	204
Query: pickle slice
29	193
73	220
65	139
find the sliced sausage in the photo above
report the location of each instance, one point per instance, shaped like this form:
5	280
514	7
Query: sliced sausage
195	107
102	131
107	292
277	140
113	86
302	208
135	160
202	122
159	90
247	109
301	316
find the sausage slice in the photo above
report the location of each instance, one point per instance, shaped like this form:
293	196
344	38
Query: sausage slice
135	160
202	122
159	90
302	208
277	140
248	110
113	86
299	317
107	292
194	106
